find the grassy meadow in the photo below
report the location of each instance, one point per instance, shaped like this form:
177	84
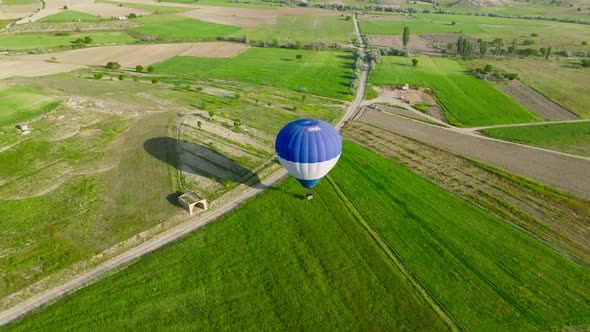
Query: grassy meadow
303	28
181	28
465	99
322	73
486	274
298	263
20	104
571	138
557	34
560	80
39	40
70	16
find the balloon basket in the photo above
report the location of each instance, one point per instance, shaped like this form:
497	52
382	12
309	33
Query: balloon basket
308	196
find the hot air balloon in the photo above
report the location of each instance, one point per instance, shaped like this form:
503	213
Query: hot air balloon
308	149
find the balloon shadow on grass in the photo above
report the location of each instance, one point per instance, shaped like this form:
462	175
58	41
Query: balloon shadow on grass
201	160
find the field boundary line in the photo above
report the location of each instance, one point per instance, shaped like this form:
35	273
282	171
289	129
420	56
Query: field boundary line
393	257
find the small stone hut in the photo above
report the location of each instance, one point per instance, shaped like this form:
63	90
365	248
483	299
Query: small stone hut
192	200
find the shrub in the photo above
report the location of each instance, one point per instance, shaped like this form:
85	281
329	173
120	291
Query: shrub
585	63
139	68
150	69
154	81
121	77
113	65
132	15
98	76
135	79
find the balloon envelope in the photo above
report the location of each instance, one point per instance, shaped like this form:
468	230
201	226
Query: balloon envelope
308	149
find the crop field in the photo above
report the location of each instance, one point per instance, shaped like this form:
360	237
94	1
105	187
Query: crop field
69	189
557	79
321	73
150	8
484	272
571	138
288	247
487	28
182	28
20	104
292	28
226	3
298	263
465	99
38	40
70	16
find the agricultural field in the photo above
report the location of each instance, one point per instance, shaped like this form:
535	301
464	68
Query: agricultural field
322	73
465	99
39	40
77	174
298	254
70	16
571	138
557	79
169	26
302	28
299	263
487	28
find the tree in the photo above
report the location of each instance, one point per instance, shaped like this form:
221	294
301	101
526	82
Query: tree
187	88
483	47
211	115
548	52
487	68
498	43
299	56
585	63
414	62
512	48
98	76
150	69
121	77
154	81
348	18
87	40
200	124
132	15
406	37
139	68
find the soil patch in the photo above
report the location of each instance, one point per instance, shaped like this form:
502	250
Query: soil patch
416	44
561	171
536	102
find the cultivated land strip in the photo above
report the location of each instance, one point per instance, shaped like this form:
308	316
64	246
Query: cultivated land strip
556	169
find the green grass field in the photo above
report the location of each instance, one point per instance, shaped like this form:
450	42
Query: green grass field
277	263
152	8
302	261
20	104
571	138
37	40
70	16
557	34
558	80
465	99
292	28
485	273
182	28
322	73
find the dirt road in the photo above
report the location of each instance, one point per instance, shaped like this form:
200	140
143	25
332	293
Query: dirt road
559	170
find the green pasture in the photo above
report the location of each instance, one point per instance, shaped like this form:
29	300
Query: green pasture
303	28
465	99
183	28
279	262
571	138
70	16
560	80
557	34
322	73
486	274
38	40
20	104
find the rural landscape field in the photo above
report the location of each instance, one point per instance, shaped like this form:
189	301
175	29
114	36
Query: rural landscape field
144	183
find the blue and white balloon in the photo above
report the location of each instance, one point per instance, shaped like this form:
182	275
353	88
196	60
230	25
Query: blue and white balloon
308	149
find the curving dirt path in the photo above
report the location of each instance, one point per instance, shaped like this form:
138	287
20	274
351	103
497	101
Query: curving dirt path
566	172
